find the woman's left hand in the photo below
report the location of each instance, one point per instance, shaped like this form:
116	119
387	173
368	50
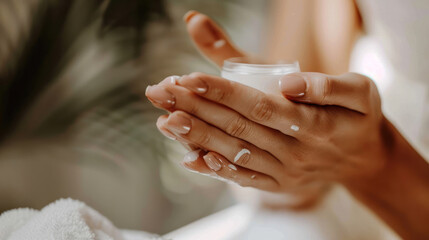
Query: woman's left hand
330	129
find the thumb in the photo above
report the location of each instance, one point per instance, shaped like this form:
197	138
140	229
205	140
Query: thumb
350	90
210	39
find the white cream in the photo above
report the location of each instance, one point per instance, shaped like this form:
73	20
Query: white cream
294	128
241	153
192	156
253	177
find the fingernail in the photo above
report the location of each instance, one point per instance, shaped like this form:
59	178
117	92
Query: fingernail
189	15
191	156
183	164
147	89
212	162
159	95
193	84
167	134
174	79
293	85
178	124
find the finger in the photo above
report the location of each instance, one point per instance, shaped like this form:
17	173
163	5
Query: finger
210	138
210	39
350	90
231	122
170	80
268	110
194	162
228	172
160	123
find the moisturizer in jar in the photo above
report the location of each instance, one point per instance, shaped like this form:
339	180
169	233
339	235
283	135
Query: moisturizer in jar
261	75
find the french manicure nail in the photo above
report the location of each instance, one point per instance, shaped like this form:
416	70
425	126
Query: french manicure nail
160	95
189	15
293	86
212	162
191	156
178	124
167	134
147	89
188	168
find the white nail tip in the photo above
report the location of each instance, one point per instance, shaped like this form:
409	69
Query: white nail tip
233	167
147	89
192	156
170	137
241	153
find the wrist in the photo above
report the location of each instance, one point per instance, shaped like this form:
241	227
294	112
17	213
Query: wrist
398	192
390	148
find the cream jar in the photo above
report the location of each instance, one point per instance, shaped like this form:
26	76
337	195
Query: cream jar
265	77
261	75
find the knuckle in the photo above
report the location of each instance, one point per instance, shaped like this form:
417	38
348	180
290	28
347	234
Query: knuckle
367	90
204	139
237	127
263	110
219	95
327	90
193	110
191	107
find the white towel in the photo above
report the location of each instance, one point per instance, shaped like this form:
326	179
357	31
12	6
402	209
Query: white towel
65	219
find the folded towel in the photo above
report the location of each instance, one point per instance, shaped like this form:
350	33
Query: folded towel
65	219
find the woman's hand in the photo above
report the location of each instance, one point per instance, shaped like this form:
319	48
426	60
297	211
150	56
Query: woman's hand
336	134
210	39
214	43
270	143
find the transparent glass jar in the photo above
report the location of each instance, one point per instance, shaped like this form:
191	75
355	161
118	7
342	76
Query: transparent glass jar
258	74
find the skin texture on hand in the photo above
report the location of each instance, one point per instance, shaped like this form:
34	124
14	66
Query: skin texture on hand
328	129
225	117
210	39
349	143
325	129
214	44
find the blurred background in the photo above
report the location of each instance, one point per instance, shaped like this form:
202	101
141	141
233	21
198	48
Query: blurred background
73	118
74	121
